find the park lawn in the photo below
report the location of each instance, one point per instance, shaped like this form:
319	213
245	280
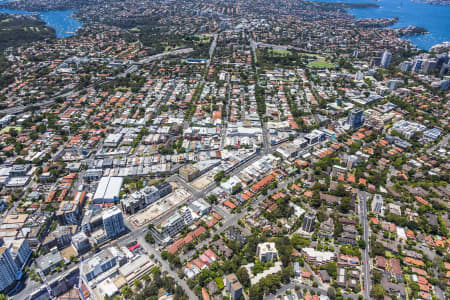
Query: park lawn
204	39
321	63
203	36
8	128
170	48
310	55
282	52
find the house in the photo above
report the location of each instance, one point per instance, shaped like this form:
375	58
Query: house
380	262
212	287
234	234
348	261
324	276
205	295
394	288
341	277
220	247
297	270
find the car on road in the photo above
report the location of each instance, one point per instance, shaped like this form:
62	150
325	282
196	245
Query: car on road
131	244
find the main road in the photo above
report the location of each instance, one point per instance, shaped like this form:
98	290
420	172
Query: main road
138	235
363	196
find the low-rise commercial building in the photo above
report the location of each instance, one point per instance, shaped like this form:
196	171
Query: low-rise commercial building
108	190
318	258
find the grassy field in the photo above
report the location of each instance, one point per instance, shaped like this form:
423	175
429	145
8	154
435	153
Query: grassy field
170	48
310	55
321	63
281	52
203	38
8	128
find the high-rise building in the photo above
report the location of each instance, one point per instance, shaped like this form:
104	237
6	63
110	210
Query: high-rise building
164	189
417	66
308	222
428	66
386	59
406	66
177	221
151	194
359	76
20	252
355	118
80	242
393	84
113	222
444	69
187	216
8	269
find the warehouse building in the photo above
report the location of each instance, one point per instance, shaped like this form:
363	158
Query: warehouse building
108	190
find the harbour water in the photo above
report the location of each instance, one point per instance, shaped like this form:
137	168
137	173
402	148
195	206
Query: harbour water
435	18
61	20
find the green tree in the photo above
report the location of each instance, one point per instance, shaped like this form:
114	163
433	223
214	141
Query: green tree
137	283
299	242
242	275
146	277
377	276
126	292
344	207
361	243
331	292
149	238
287	273
218	177
212	199
377	291
331	268
256	292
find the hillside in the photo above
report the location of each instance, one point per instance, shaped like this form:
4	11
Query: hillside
16	30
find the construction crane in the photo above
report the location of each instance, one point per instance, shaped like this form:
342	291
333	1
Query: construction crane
47	286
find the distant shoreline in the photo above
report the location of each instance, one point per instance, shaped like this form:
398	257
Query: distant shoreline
433	2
